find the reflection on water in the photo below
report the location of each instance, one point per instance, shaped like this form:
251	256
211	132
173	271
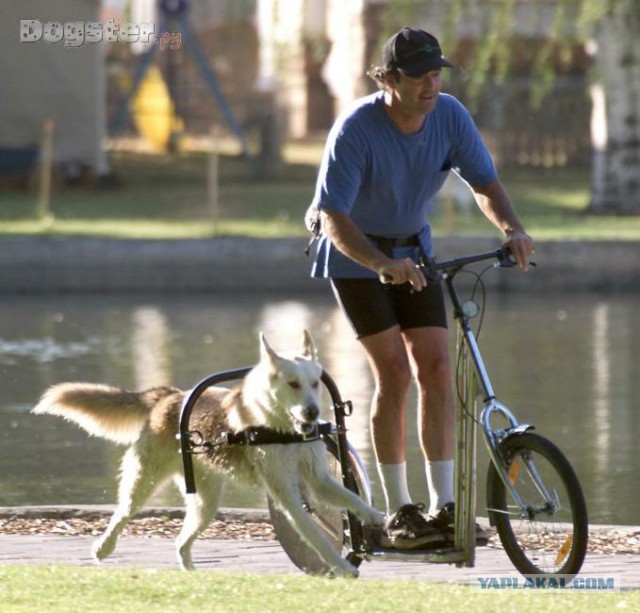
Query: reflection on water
565	364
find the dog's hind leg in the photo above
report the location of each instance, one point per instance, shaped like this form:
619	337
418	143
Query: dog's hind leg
140	476
200	511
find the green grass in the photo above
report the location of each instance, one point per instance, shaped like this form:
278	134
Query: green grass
70	589
166	197
161	196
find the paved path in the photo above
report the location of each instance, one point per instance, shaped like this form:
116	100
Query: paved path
268	557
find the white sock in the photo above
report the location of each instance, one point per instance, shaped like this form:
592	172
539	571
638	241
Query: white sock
440	483
393	478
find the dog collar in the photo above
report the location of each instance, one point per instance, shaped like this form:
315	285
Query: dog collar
261	435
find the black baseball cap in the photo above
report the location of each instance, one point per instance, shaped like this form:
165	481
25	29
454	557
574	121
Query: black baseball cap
413	52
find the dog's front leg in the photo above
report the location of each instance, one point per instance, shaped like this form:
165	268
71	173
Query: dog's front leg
326	489
280	475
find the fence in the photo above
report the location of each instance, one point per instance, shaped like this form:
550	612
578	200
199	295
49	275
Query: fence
556	133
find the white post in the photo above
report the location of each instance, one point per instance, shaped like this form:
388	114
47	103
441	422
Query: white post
213	179
46	164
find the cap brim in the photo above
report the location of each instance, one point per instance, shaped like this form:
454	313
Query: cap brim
417	70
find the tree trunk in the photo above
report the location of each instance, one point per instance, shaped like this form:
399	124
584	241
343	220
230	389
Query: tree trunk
615	126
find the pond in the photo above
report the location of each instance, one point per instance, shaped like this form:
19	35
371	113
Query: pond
566	363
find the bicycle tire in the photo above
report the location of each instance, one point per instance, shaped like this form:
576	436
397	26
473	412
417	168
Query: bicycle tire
551	540
334	522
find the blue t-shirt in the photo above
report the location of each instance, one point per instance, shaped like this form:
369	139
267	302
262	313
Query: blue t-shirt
386	180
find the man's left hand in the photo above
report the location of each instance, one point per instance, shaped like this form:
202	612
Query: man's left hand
521	246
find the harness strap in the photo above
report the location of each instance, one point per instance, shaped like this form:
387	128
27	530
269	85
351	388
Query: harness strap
312	221
260	435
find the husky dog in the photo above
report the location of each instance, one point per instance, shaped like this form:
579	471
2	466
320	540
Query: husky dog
280	393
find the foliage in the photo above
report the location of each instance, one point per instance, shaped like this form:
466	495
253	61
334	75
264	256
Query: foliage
560	24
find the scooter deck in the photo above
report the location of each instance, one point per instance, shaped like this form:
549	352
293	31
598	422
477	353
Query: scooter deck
441	555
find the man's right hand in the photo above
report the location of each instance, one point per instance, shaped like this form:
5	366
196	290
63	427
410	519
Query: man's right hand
351	241
399	272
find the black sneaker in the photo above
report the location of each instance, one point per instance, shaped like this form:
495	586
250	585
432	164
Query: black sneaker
408	528
444	520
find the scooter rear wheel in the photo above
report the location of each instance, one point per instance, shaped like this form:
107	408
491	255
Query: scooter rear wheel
333	522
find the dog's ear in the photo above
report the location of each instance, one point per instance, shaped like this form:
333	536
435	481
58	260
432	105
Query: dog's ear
308	347
266	353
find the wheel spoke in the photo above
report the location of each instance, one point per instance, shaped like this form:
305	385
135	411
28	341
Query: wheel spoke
327	520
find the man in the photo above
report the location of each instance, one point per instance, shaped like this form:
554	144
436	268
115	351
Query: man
384	161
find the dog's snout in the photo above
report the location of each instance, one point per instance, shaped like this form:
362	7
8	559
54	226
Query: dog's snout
311	412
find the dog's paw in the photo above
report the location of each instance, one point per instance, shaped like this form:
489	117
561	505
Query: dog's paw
186	564
100	550
184	558
344	570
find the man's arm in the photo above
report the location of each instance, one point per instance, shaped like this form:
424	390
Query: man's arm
494	202
353	243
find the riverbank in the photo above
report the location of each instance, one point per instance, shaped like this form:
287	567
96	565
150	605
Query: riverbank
81	264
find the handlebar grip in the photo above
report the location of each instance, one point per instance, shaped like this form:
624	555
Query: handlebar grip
387	284
506	260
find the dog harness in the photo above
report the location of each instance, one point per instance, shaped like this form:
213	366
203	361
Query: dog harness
257	435
261	435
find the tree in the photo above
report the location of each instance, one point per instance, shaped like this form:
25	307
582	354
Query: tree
615	126
609	29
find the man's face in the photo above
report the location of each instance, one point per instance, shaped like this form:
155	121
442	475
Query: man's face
418	95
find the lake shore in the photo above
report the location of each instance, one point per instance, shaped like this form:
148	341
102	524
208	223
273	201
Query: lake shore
80	264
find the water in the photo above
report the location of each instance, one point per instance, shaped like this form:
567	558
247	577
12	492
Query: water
564	363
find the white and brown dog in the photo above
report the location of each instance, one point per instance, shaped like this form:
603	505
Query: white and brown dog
280	393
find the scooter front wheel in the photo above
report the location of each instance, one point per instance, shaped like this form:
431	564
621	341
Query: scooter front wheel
549	533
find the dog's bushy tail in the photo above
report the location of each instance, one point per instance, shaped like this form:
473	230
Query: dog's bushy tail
101	410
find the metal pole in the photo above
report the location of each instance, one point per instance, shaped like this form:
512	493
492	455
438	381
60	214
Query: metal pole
46	165
213	177
465	458
470	529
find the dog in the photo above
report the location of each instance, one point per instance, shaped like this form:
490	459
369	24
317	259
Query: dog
282	393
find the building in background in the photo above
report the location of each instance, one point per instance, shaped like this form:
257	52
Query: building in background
304	59
286	67
44	80
296	64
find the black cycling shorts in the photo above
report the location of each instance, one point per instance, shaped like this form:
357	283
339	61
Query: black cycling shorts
372	307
